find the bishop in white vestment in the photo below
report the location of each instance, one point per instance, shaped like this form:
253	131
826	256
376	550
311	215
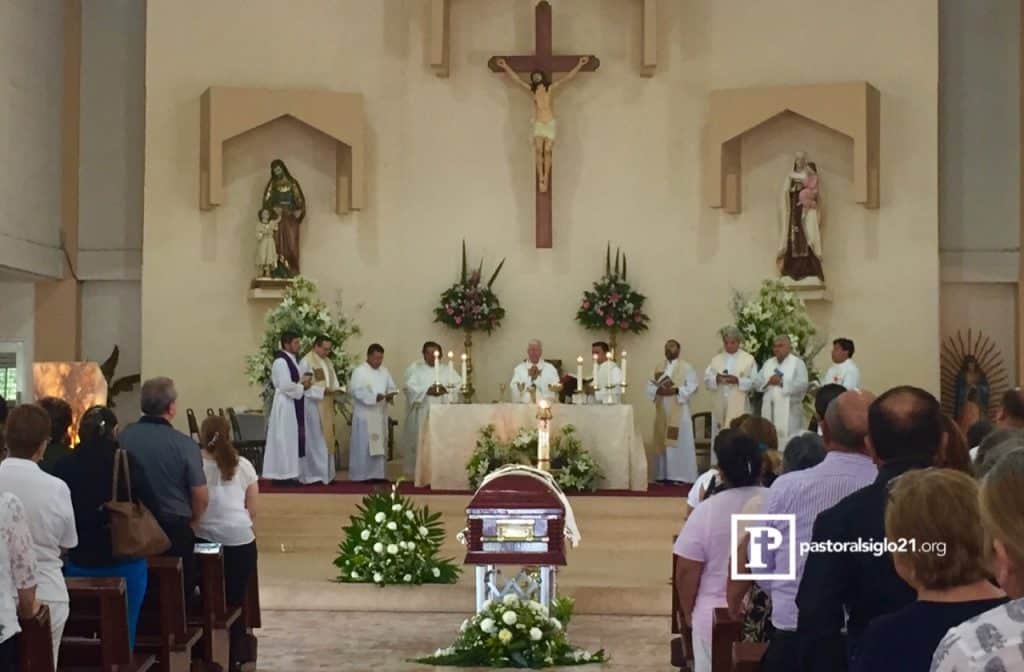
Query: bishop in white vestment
318	361
671	388
419	379
607	387
372	389
534	374
295	446
843	370
730	376
783	380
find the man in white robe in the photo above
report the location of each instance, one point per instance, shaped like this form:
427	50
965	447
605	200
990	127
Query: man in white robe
295	446
730	376
783	380
532	379
325	382
372	389
607	388
420	394
671	388
843	370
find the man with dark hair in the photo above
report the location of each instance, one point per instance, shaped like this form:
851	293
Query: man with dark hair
425	384
905	432
822	398
1011	410
173	465
607	384
319	463
372	389
61	418
843	371
47	502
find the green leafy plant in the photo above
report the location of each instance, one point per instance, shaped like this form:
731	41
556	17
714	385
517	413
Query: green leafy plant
571	464
470	305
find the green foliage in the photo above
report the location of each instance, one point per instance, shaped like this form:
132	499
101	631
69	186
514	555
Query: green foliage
469	305
392	541
571	464
612	304
515	633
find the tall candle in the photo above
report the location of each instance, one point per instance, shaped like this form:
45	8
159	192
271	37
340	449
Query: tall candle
437	364
594	374
623	368
451	365
464	368
579	372
543	438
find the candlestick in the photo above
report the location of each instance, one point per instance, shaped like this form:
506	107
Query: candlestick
437	370
543	435
463	368
623	368
579	372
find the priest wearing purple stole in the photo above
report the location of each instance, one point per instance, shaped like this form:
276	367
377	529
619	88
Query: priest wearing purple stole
295	442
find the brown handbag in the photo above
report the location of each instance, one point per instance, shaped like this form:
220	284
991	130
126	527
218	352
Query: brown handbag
134	532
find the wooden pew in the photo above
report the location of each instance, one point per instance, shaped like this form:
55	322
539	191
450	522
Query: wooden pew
725	631
96	635
746	656
162	629
216	616
35	643
681	646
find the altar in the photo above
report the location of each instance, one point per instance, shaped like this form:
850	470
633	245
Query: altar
449	433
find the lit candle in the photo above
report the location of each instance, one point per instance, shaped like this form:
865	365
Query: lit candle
543	437
579	372
451	365
593	375
463	368
623	368
437	369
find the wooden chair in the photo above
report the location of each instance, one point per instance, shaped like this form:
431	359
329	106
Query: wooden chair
162	628
725	631
702	439
746	656
216	616
220	412
193	425
96	634
210	413
681	646
250	449
35	643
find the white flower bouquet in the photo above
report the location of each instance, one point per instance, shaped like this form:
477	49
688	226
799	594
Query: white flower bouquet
393	541
572	465
515	633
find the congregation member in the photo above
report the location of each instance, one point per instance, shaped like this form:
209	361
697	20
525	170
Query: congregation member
47	502
993	641
768	440
607	385
372	390
19	575
1009	417
935	506
89	474
318	361
904	433
994	447
295	449
61	418
174	468
420	393
783	380
823	396
803	452
730	376
954	453
670	389
533	375
703	546
847	467
844	370
232	482
977	432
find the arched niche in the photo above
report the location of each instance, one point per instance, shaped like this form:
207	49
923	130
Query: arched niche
851	109
227	112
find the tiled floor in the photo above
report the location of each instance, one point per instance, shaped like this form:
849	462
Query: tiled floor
303	641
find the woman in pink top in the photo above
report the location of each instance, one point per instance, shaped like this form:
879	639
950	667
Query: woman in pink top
703	545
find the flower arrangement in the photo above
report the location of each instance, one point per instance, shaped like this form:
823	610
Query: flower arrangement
612	304
303	312
515	633
469	305
775	311
393	541
571	464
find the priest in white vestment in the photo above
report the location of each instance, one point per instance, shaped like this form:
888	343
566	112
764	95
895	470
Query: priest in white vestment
607	388
783	380
372	390
420	394
532	379
671	388
318	361
730	377
295	447
843	370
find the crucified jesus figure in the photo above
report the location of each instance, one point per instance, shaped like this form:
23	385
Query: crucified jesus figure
541	89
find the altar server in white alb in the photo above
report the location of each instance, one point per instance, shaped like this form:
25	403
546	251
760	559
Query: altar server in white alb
533	374
420	395
671	388
844	370
318	361
372	390
783	380
730	377
295	446
606	386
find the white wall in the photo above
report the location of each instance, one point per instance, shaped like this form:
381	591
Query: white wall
110	316
30	111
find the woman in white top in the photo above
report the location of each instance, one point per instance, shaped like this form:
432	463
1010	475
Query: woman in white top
232	482
17	576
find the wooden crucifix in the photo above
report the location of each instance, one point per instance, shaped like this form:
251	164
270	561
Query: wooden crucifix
540	67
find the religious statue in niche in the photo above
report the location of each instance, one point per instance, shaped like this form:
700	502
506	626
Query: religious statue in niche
542	89
972	394
799	254
266	250
973	374
283	196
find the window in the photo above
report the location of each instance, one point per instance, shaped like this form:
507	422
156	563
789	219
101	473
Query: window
12	380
